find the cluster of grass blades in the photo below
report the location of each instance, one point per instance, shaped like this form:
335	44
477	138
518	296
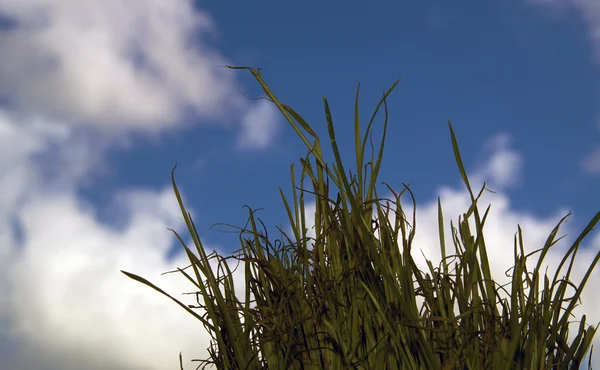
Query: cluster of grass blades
347	299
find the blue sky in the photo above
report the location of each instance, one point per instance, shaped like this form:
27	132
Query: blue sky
98	100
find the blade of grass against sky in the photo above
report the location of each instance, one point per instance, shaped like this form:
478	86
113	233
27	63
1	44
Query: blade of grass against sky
337	314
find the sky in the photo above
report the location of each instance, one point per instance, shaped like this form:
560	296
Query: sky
100	98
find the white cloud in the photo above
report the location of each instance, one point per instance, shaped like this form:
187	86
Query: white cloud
64	300
259	126
118	65
503	168
70	299
80	77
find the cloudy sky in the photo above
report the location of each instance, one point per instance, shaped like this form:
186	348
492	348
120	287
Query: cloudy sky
100	98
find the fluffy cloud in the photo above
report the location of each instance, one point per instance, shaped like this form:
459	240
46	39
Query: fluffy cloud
117	66
65	303
77	78
109	61
259	126
503	168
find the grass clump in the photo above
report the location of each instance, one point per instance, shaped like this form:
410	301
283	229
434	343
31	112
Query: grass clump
347	299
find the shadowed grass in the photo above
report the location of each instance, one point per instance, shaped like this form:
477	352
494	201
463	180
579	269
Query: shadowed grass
347	299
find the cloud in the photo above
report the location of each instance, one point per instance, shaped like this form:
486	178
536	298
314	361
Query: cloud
65	303
77	78
259	126
504	166
70	300
64	300
119	66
